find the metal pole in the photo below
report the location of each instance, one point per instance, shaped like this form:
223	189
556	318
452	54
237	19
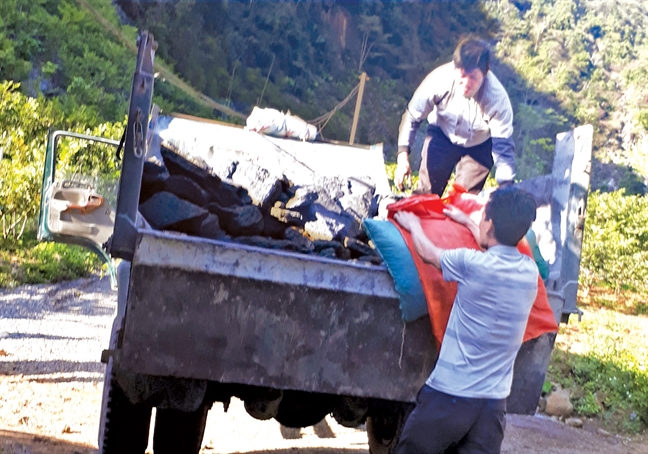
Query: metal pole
356	114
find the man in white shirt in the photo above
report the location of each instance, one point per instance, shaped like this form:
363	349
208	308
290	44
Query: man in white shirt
461	408
470	122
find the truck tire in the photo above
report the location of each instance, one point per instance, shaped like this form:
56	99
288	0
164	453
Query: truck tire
384	428
178	431
303	409
124	426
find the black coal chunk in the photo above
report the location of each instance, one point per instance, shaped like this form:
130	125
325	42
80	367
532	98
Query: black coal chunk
166	211
244	220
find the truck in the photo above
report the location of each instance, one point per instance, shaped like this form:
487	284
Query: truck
296	337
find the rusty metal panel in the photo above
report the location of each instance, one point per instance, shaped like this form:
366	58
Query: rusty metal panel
238	314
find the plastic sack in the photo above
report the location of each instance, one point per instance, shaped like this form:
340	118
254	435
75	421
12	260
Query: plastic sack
394	251
447	234
278	124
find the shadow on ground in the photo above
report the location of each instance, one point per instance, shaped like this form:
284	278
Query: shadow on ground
21	442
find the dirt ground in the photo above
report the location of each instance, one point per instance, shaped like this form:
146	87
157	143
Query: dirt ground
51	379
62	418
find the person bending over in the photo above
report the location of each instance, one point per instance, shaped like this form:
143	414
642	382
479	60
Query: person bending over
470	125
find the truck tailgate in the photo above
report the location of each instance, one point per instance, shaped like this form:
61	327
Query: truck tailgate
233	313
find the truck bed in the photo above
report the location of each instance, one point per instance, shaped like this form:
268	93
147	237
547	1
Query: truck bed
233	313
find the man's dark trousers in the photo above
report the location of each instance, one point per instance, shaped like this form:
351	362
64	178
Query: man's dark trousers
439	158
441	423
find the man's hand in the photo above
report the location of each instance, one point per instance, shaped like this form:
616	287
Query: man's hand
425	248
407	220
403	171
462	218
457	215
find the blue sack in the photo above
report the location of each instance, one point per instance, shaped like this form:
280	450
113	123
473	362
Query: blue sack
394	251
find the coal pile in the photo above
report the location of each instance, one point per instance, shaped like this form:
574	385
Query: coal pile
245	203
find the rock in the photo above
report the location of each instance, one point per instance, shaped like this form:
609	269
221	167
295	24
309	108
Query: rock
273	227
340	251
329	192
296	236
304	196
328	225
270	243
154	177
358	199
288	216
574	422
604	432
224	168
245	220
210	228
358	248
542	404
186	189
262	186
324	244
374	259
166	211
179	164
228	194
328	252
558	403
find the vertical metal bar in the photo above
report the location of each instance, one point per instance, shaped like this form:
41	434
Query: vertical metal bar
122	243
571	179
356	114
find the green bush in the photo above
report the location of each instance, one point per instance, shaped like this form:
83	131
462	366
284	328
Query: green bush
24	124
605	368
27	261
615	244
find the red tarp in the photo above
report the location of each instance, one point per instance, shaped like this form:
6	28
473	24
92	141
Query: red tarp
447	234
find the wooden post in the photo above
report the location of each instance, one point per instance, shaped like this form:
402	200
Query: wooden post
356	114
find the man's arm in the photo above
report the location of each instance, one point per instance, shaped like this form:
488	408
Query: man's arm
500	114
429	252
504	160
419	107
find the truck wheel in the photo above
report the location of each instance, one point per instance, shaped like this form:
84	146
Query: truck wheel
178	431
124	426
384	429
303	409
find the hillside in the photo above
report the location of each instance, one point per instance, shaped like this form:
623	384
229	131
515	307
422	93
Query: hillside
563	62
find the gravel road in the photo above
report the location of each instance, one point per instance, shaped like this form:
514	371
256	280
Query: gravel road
51	337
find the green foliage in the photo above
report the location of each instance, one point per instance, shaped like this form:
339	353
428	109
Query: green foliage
27	261
615	244
390	169
25	122
311	53
586	61
605	368
546	387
